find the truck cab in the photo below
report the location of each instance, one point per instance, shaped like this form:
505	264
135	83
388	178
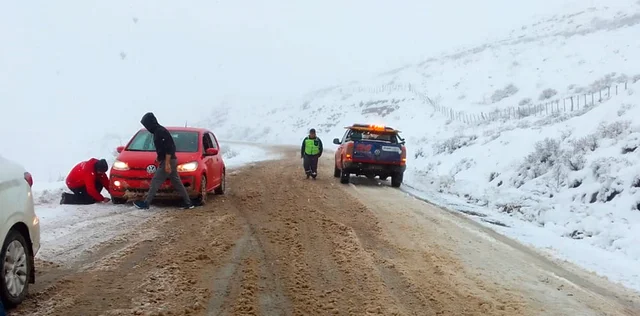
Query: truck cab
371	151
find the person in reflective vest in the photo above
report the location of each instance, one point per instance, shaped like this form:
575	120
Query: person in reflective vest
310	152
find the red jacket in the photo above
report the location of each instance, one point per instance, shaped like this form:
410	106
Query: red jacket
84	175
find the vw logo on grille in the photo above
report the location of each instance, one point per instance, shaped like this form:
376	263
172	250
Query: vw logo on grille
151	169
377	152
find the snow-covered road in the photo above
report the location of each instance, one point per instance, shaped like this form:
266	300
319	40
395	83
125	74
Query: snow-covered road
281	244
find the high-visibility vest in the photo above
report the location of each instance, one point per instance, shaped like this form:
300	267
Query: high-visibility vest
311	146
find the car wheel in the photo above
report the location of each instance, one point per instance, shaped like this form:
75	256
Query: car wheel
336	172
344	176
223	184
202	198
396	180
116	200
16	259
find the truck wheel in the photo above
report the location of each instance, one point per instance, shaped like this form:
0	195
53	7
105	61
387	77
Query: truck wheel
336	172
396	180
116	200
344	176
16	263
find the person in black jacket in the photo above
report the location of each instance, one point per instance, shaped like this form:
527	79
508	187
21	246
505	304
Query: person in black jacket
167	163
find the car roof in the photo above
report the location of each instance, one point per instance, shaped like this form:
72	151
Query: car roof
183	129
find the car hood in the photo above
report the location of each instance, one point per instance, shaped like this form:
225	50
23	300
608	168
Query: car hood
141	159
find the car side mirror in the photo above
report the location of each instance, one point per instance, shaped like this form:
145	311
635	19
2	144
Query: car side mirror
119	149
211	152
336	141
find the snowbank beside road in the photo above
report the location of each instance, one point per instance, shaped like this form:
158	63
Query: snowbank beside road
70	231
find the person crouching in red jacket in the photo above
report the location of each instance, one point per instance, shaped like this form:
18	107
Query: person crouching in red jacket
86	180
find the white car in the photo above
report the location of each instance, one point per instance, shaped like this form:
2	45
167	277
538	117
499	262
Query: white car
20	230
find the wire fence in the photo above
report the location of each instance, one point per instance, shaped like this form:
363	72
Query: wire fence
548	108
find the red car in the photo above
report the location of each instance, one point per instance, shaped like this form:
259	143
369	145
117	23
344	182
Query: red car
200	166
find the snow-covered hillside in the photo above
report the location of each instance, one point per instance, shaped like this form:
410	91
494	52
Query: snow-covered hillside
495	126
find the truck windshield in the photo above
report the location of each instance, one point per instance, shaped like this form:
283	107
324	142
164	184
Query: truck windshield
371	135
185	141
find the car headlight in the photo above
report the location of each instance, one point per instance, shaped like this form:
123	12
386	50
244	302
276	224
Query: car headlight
119	165
188	167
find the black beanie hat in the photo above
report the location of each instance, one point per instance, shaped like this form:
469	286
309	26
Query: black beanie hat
102	166
312	131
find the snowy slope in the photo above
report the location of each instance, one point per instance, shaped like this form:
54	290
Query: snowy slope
568	174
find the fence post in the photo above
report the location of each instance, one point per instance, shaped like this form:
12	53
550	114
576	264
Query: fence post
558	106
616	89
571	103
592	99
608	92
585	100
600	96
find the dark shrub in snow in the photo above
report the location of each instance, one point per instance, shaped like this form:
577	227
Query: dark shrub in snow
613	130
547	94
546	155
504	93
526	101
584	144
454	143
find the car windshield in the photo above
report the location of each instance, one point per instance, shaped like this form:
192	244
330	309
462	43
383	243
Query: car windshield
185	141
371	135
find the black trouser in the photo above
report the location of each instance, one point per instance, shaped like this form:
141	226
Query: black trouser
80	195
310	164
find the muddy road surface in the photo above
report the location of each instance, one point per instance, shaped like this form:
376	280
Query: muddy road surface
279	244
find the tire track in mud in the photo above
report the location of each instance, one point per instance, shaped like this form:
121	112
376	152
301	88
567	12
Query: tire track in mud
157	272
330	254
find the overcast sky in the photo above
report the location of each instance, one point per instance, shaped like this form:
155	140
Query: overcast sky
71	70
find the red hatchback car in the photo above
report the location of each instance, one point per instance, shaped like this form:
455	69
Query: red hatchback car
200	166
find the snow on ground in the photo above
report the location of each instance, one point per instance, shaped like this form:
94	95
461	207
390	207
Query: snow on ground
69	231
565	181
236	155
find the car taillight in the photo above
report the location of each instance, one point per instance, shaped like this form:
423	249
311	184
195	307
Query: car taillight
28	178
403	156
349	151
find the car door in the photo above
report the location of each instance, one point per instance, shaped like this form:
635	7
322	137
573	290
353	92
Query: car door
217	160
339	152
208	161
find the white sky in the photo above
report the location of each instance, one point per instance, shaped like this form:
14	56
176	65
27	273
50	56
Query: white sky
63	82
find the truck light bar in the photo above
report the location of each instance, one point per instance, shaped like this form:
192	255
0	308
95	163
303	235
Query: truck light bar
372	127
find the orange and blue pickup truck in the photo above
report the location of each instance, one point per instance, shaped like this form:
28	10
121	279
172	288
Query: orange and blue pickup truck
371	151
